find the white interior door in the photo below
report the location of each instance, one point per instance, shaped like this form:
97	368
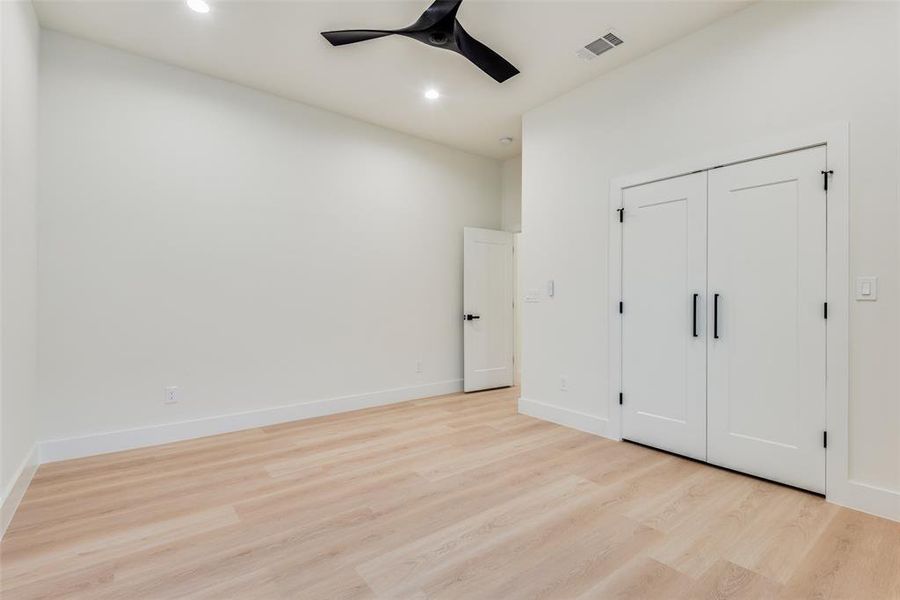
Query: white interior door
767	354
663	339
488	309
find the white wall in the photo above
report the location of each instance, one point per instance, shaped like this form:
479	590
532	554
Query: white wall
771	68
254	251
19	34
511	196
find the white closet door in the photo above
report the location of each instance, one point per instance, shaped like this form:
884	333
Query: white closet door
767	364
663	353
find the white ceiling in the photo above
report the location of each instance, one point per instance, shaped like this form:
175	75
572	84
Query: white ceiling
276	47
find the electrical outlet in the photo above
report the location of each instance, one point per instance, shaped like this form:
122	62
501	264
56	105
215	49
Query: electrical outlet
418	366
171	395
563	383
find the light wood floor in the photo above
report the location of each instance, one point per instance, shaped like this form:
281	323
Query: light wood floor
450	497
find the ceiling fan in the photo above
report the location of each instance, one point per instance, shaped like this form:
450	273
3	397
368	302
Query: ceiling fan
437	27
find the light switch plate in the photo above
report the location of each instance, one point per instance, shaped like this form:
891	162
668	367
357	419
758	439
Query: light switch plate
867	288
533	296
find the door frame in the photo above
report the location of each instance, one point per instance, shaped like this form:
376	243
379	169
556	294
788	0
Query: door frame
835	137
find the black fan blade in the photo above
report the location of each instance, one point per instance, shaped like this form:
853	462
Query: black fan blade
351	36
434	14
484	58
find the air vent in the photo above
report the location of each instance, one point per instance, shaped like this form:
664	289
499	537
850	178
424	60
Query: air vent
612	38
599	46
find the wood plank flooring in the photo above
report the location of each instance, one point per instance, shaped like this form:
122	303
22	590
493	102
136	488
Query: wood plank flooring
449	497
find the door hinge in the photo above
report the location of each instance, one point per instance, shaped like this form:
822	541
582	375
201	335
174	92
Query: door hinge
825	310
621	307
621	398
824	439
825	175
621	212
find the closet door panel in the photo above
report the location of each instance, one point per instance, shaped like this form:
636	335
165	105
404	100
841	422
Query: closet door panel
766	367
663	363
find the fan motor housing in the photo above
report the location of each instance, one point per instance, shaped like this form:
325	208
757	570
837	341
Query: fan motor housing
438	38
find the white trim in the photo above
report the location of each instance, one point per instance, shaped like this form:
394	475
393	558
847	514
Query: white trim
840	488
614	290
127	439
18	485
564	416
833	134
867	498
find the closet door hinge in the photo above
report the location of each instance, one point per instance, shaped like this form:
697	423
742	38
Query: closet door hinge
621	398
824	439
825	311
621	307
825	175
621	212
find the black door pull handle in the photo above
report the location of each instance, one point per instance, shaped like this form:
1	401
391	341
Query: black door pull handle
716	316
471	317
695	314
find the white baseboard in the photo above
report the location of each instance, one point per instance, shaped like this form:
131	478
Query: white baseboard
566	417
127	439
868	498
859	496
16	488
853	494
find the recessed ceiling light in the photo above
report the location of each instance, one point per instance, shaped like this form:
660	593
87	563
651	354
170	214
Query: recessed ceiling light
432	94
199	6
506	141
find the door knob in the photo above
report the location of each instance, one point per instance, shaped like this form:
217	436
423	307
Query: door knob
469	317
